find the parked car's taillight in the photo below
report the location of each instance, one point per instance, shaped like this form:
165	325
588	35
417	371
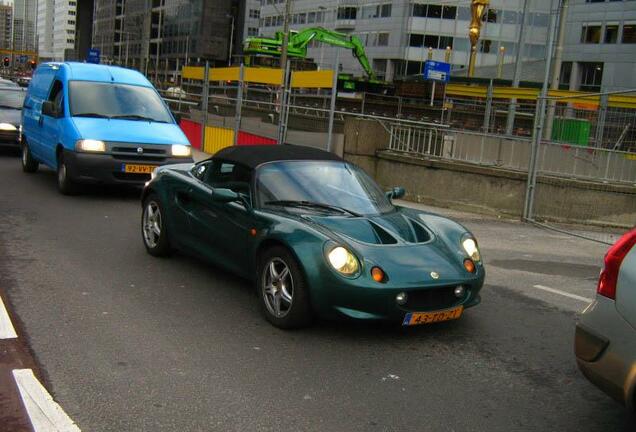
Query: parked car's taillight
613	259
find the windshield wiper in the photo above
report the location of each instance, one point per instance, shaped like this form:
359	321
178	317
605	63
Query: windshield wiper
10	107
137	117
293	203
91	114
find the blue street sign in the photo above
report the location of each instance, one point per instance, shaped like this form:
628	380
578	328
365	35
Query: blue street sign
93	56
437	71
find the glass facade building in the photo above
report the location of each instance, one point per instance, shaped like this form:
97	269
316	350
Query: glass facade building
151	34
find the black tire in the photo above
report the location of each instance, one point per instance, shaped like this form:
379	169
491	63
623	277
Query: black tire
65	184
294	314
29	165
159	244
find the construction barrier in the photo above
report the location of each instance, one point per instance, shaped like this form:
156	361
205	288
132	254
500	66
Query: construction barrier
192	131
269	76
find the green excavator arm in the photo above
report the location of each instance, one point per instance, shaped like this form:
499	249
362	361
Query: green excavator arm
298	41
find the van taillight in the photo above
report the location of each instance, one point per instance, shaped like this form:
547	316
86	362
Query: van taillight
613	259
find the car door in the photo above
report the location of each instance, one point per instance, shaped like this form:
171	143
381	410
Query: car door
222	229
50	124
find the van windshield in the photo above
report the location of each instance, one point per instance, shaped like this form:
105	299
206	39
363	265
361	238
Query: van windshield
119	101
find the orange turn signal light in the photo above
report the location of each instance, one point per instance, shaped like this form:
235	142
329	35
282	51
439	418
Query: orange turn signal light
469	265
378	274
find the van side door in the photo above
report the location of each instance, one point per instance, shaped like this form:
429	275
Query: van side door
32	109
50	122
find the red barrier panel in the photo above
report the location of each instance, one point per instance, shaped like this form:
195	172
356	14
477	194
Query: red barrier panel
192	131
246	139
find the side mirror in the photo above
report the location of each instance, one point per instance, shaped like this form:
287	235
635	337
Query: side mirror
48	109
395	193
225	195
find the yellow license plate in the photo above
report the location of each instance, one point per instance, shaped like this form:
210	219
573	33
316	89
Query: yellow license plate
138	169
416	318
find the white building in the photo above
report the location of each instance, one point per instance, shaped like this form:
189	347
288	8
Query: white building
56	28
398	33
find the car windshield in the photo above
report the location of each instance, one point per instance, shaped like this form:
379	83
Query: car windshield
94	99
11	97
320	185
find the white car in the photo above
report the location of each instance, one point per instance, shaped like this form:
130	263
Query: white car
605	341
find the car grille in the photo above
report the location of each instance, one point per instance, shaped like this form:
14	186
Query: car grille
433	299
129	152
133	177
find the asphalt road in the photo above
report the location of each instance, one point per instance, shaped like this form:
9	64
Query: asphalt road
128	342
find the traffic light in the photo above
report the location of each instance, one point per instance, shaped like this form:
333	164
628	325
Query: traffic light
33	64
6	61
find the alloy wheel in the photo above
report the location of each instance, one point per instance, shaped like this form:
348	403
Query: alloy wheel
277	287
152	224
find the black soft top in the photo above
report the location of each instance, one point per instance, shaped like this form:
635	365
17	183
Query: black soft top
253	156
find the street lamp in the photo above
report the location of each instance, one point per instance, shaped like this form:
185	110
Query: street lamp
229	56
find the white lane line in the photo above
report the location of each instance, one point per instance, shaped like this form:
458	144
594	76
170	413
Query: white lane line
45	414
564	294
6	328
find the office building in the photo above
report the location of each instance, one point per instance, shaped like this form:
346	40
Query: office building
153	34
398	34
6	18
56	22
24	25
599	51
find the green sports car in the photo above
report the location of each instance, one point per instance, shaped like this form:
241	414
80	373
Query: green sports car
316	235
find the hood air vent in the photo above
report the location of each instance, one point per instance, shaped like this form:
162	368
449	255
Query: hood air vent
422	235
383	236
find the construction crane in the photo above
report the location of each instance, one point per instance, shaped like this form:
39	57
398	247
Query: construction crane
298	41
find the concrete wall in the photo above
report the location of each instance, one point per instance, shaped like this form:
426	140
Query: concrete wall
485	189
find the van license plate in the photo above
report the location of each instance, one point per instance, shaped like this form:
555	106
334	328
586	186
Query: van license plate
138	169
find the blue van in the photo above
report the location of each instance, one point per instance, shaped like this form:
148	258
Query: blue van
97	124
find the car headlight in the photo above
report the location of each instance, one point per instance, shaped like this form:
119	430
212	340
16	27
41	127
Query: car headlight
343	261
7	127
90	145
181	150
470	246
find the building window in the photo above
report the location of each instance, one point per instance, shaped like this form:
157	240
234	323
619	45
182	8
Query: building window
311	17
445	42
591	76
385	10
347	13
71	13
611	33
434	11
416	40
566	74
492	16
629	33
431	41
255	13
383	39
485	45
510	17
252	31
449	12
591	34
419	10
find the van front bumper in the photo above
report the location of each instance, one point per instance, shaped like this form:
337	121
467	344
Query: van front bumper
94	168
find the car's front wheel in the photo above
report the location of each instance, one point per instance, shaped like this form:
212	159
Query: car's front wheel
283	290
64	182
153	227
29	164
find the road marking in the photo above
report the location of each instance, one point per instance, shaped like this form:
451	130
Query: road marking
6	328
45	414
565	294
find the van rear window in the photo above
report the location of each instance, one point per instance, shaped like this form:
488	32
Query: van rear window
118	101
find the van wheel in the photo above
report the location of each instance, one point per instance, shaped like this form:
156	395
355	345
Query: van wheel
64	183
29	165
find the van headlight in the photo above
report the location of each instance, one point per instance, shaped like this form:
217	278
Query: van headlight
90	145
470	246
343	261
7	127
181	150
